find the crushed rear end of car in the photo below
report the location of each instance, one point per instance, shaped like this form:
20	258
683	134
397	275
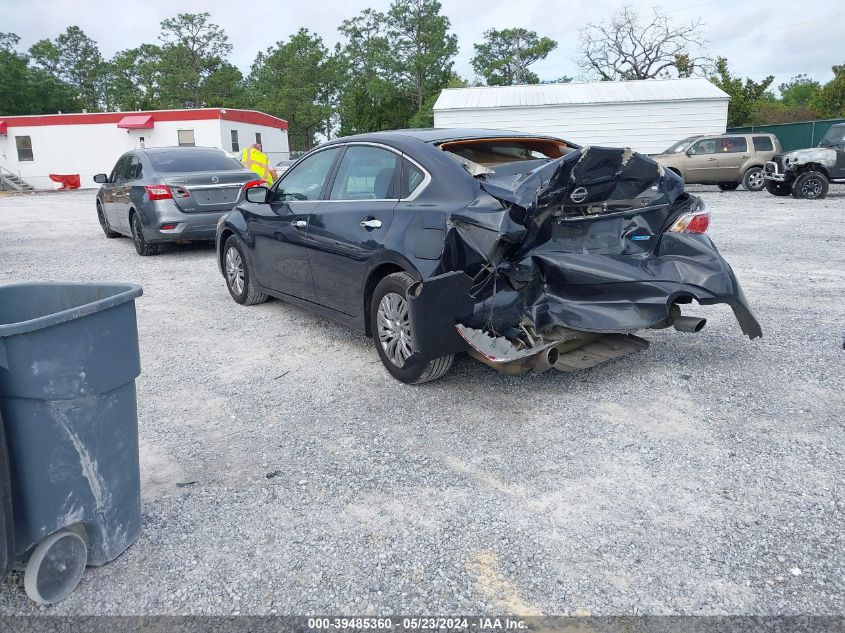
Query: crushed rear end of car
559	266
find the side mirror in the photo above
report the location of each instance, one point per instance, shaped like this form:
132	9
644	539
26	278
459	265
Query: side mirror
689	152
258	195
101	178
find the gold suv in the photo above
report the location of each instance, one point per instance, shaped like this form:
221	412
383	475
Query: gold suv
727	160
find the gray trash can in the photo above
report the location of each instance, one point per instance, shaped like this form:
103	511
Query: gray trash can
68	363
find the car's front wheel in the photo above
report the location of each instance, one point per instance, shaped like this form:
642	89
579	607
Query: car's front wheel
238	276
391	324
753	179
778	188
142	246
811	185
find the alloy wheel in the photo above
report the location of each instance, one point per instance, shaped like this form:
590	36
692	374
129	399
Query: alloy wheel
235	270
137	235
811	188
394	328
756	180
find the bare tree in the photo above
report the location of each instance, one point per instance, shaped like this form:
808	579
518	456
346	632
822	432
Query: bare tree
626	47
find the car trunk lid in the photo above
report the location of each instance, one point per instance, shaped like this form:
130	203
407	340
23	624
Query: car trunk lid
203	192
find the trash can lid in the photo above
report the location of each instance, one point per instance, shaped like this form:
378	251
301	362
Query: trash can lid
28	307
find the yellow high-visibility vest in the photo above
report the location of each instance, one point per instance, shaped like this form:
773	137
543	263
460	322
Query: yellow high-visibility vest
257	161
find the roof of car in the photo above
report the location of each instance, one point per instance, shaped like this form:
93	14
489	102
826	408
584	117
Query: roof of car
441	135
156	150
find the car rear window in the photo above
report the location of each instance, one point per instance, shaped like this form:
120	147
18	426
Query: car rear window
492	151
186	160
762	144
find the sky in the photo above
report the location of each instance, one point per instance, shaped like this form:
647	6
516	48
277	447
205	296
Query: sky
778	37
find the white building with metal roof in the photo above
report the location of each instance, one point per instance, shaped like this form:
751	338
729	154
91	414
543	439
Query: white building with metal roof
647	115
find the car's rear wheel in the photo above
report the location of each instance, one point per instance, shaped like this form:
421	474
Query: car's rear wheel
104	224
238	277
728	186
391	324
142	246
753	179
778	188
810	185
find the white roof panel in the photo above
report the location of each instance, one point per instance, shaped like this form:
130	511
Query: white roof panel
578	93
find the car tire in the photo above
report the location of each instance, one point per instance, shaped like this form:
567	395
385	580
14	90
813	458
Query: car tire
811	185
238	276
778	188
728	186
392	336
104	224
142	246
752	179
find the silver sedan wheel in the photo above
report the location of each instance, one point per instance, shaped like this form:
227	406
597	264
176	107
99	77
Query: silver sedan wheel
394	328
235	270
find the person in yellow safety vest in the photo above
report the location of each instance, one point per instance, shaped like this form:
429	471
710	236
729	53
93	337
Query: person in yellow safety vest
256	160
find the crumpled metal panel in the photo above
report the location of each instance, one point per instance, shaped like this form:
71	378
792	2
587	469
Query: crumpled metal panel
580	243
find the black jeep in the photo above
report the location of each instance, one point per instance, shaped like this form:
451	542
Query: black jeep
807	173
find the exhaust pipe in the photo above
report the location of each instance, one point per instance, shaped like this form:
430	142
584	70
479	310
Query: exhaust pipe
688	323
544	360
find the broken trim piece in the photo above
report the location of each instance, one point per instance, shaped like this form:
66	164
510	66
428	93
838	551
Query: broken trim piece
573	350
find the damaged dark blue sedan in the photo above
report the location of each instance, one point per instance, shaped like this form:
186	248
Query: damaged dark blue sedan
527	252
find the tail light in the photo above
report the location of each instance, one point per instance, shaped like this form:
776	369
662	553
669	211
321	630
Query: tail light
255	183
163	192
692	222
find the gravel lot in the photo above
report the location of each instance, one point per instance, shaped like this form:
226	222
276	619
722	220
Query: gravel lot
703	476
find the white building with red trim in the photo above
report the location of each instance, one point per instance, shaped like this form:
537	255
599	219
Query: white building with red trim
34	147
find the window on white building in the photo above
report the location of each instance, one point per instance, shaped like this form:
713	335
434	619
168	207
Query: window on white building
235	145
186	138
258	137
24	145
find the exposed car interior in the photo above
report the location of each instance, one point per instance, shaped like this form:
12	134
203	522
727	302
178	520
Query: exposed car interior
495	151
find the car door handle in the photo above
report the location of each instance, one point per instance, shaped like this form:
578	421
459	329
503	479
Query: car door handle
744	157
371	223
711	159
299	224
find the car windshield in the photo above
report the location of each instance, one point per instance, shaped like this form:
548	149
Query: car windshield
185	160
835	135
680	146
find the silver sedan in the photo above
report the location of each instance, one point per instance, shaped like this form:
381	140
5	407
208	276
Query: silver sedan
169	194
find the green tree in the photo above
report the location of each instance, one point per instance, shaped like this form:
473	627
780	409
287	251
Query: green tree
193	49
829	101
372	96
75	59
798	91
133	79
505	55
745	95
28	90
291	80
421	45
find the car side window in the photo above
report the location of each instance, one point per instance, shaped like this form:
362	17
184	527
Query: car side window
762	144
412	177
366	173
115	175
705	146
132	169
306	180
732	145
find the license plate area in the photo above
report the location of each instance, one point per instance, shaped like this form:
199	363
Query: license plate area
215	196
